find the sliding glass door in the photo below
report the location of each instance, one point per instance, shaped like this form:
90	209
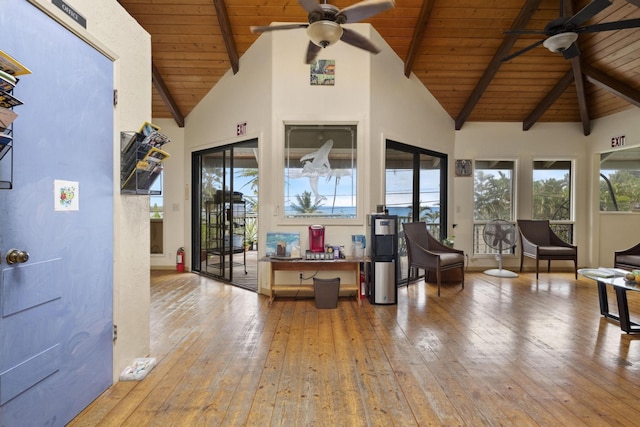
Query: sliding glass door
416	190
225	213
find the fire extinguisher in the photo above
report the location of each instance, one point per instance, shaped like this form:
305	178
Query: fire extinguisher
180	259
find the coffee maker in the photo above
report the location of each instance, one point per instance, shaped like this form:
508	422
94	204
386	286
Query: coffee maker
316	238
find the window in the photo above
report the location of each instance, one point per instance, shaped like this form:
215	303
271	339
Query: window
414	186
156	212
225	212
320	171
552	195
620	180
416	190
493	194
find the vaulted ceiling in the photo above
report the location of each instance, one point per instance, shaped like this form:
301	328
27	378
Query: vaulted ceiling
454	47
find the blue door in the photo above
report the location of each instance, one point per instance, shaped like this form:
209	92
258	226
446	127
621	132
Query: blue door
56	346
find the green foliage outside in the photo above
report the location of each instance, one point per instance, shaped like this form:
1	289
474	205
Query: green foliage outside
156	212
492	196
251	230
250	199
625	185
551	199
429	216
305	204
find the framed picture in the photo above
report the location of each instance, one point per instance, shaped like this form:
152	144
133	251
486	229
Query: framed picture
283	245
464	167
320	172
323	72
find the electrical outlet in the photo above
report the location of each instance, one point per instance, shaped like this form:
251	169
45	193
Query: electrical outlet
301	276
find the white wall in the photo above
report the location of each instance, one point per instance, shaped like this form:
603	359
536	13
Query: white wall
507	141
611	231
174	194
597	234
399	109
296	100
273	88
402	110
243	97
130	46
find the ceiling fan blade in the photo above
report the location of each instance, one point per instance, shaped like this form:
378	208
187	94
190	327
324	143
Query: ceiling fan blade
310	6
312	52
355	39
571	52
587	12
263	29
521	51
363	10
610	26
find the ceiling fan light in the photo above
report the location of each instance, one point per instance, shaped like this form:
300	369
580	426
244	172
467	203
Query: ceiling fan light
324	33
560	42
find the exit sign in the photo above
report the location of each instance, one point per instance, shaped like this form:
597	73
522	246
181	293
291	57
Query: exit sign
617	141
241	128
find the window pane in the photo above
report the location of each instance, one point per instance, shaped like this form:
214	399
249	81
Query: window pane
156	212
552	190
430	194
401	168
620	181
156	199
415	191
399	184
320	171
493	190
492	199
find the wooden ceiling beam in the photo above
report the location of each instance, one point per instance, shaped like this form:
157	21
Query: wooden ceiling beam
163	90
581	95
549	99
612	85
418	35
227	34
576	66
508	41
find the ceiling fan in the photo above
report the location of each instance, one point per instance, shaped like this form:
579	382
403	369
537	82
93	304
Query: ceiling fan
563	32
325	24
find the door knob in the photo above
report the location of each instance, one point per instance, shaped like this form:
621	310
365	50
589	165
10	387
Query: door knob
15	256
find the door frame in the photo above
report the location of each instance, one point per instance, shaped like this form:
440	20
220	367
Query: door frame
417	152
197	202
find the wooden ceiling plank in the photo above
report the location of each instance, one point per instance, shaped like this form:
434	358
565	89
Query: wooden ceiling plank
163	91
418	35
549	99
523	17
227	34
612	85
449	59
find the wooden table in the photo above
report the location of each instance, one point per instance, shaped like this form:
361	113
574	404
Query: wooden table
613	277
351	264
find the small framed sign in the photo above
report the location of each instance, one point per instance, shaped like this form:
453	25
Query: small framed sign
323	72
463	168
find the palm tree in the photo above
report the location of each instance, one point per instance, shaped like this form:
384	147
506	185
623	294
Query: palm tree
252	200
305	205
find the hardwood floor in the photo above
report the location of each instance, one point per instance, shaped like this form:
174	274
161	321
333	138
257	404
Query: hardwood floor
511	352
